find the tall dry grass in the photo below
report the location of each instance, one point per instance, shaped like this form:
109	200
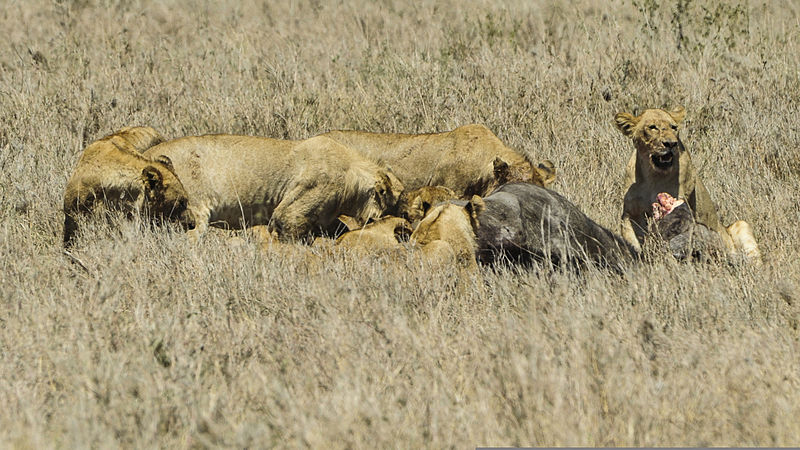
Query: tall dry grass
144	340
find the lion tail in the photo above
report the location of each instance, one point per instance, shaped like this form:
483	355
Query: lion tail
744	241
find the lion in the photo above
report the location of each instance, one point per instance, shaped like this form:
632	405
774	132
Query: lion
447	233
469	160
113	174
296	188
387	233
414	205
660	163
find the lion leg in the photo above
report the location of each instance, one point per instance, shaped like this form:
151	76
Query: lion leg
70	228
290	224
627	232
744	241
727	239
200	218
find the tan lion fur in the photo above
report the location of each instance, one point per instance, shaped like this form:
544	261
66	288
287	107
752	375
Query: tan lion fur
388	233
297	188
448	231
660	163
469	160
414	205
112	173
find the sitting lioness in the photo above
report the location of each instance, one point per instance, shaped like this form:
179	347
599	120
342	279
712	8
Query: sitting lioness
660	163
470	160
297	188
111	173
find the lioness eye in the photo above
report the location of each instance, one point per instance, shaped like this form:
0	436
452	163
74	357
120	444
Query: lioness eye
653	127
674	127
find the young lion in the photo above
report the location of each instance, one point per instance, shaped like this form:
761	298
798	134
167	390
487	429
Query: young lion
470	160
297	188
112	173
414	205
385	234
447	234
660	163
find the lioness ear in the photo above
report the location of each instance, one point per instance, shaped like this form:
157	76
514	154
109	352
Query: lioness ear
385	183
152	178
350	222
500	169
382	189
164	159
677	114
475	207
625	122
547	172
418	205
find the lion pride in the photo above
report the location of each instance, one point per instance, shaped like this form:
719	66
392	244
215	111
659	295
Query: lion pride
470	160
111	173
661	164
297	188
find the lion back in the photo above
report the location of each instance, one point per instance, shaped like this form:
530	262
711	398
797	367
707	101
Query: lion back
138	138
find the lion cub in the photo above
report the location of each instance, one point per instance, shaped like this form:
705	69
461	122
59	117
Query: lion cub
297	188
414	205
660	163
447	233
113	174
388	233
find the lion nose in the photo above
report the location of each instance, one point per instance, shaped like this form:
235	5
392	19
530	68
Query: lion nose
670	144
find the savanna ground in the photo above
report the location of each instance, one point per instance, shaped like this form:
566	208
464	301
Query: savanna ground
144	340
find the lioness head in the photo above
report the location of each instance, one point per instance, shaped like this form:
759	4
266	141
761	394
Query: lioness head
164	194
543	174
655	136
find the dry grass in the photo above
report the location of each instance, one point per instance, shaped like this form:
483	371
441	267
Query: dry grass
154	342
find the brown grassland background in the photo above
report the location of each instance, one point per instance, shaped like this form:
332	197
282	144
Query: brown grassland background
152	342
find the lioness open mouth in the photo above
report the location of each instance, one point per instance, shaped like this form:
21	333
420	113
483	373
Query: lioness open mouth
662	161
